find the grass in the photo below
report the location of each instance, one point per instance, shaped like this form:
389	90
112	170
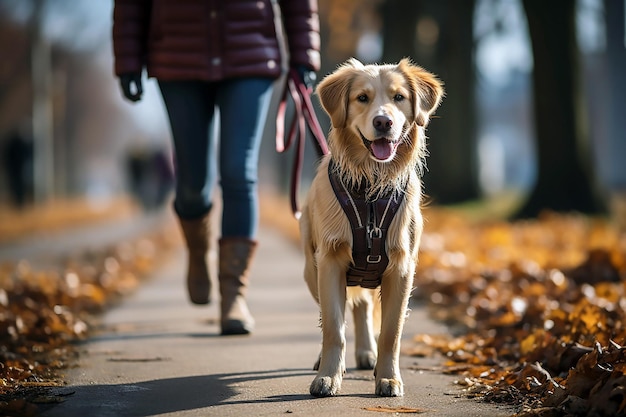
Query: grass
57	215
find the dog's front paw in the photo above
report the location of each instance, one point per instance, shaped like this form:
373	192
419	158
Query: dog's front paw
325	386
365	359
389	387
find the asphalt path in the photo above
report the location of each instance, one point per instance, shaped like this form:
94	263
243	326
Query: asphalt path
155	354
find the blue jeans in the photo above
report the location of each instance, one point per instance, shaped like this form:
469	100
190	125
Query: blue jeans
243	105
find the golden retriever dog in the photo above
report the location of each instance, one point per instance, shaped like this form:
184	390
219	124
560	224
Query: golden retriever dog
377	145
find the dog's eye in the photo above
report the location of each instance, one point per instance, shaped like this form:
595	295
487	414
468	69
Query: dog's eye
362	98
398	97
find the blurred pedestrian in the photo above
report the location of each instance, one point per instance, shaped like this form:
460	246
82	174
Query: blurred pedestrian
208	55
18	154
149	176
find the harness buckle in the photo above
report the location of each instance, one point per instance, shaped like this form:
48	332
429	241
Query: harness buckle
373	259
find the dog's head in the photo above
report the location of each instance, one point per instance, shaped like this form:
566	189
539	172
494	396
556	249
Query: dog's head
381	106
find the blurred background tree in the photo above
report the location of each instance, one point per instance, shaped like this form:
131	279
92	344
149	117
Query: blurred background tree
57	91
439	36
615	61
566	179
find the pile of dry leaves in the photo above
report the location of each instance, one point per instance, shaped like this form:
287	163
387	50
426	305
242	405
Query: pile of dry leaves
539	308
43	311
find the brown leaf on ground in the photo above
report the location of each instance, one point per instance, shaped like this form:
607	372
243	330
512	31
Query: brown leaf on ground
398	410
155	359
539	307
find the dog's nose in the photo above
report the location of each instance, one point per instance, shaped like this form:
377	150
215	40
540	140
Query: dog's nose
382	123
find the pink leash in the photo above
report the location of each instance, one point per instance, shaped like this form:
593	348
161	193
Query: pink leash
304	117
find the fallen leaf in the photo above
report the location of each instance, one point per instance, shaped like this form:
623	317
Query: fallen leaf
155	359
400	410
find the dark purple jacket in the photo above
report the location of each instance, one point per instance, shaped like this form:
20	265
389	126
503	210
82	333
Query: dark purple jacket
213	40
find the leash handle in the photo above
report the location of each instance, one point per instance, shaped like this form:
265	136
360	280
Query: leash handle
304	118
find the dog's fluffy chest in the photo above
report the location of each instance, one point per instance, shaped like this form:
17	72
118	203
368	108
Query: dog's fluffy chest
369	223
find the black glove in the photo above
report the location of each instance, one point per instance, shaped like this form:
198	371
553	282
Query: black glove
126	82
306	75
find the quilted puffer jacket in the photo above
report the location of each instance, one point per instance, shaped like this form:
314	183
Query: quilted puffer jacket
213	40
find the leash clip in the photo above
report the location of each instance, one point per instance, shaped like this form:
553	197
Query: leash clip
373	232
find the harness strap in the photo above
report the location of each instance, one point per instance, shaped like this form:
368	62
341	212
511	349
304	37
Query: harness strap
369	221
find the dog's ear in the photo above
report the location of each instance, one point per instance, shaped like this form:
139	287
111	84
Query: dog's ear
334	92
426	90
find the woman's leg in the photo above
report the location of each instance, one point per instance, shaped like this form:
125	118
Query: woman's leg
243	106
190	106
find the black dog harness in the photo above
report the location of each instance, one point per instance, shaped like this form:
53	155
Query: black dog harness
369	221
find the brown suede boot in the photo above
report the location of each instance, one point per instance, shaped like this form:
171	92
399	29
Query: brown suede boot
235	257
197	236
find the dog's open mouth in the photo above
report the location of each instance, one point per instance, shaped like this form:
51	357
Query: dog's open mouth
382	149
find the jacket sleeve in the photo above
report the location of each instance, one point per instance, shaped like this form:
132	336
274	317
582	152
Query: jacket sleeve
302	29
130	34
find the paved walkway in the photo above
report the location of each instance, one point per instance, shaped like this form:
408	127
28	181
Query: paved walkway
157	355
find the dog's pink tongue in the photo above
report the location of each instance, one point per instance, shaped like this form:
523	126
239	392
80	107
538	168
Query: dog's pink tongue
382	149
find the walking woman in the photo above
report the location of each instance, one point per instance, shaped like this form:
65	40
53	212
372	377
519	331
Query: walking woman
210	55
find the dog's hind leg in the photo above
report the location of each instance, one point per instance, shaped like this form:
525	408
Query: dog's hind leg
395	292
332	298
365	341
310	267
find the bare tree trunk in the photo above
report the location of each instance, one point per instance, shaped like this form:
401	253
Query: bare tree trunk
42	109
439	36
565	180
